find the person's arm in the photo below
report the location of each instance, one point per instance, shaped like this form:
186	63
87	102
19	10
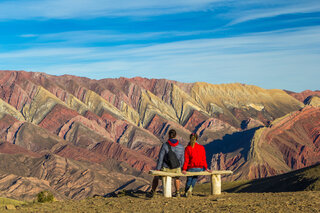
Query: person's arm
161	156
186	160
204	158
181	156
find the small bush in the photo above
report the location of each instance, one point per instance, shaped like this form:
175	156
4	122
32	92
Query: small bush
45	196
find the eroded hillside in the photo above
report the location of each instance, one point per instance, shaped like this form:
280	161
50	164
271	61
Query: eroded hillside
83	124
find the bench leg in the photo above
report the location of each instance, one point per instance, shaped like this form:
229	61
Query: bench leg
215	184
166	184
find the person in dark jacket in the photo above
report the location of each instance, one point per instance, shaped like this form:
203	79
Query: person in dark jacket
178	149
194	161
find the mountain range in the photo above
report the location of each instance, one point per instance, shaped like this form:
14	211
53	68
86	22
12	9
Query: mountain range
80	137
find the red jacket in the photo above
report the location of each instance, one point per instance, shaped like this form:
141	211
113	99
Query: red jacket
194	157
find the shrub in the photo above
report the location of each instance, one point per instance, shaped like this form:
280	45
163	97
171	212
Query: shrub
45	196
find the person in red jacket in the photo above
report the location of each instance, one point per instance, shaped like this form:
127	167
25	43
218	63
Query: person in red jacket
194	161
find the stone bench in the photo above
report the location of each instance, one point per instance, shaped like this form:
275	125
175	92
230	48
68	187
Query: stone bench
167	177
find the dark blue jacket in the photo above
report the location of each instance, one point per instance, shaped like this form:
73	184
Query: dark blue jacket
178	150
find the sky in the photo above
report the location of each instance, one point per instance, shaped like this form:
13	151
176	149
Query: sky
271	44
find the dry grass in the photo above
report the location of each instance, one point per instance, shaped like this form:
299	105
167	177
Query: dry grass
227	202
6	201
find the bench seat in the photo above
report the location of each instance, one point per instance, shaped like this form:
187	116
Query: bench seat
167	178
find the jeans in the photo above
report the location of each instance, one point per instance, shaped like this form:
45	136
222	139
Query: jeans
191	180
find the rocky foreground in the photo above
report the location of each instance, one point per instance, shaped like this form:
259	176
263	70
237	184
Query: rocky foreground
201	202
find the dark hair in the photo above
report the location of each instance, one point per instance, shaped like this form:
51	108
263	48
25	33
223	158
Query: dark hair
194	135
172	133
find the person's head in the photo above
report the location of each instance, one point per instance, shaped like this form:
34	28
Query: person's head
193	139
172	133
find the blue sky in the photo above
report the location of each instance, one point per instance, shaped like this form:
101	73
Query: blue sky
274	44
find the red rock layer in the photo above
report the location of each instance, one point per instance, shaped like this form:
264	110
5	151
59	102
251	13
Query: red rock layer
297	137
8	148
116	151
227	162
57	117
303	95
160	127
8	128
78	153
14	90
290	143
215	125
5	122
194	120
65	178
258	171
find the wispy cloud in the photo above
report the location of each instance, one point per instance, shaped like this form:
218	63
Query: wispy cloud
186	40
46	52
234	10
93	36
256	9
29	35
258	58
63	9
307	39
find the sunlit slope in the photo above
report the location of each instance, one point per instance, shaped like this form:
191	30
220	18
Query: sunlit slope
237	101
6	108
313	101
41	104
137	100
140	99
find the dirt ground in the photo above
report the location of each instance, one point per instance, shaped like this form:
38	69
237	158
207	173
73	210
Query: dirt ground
226	202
